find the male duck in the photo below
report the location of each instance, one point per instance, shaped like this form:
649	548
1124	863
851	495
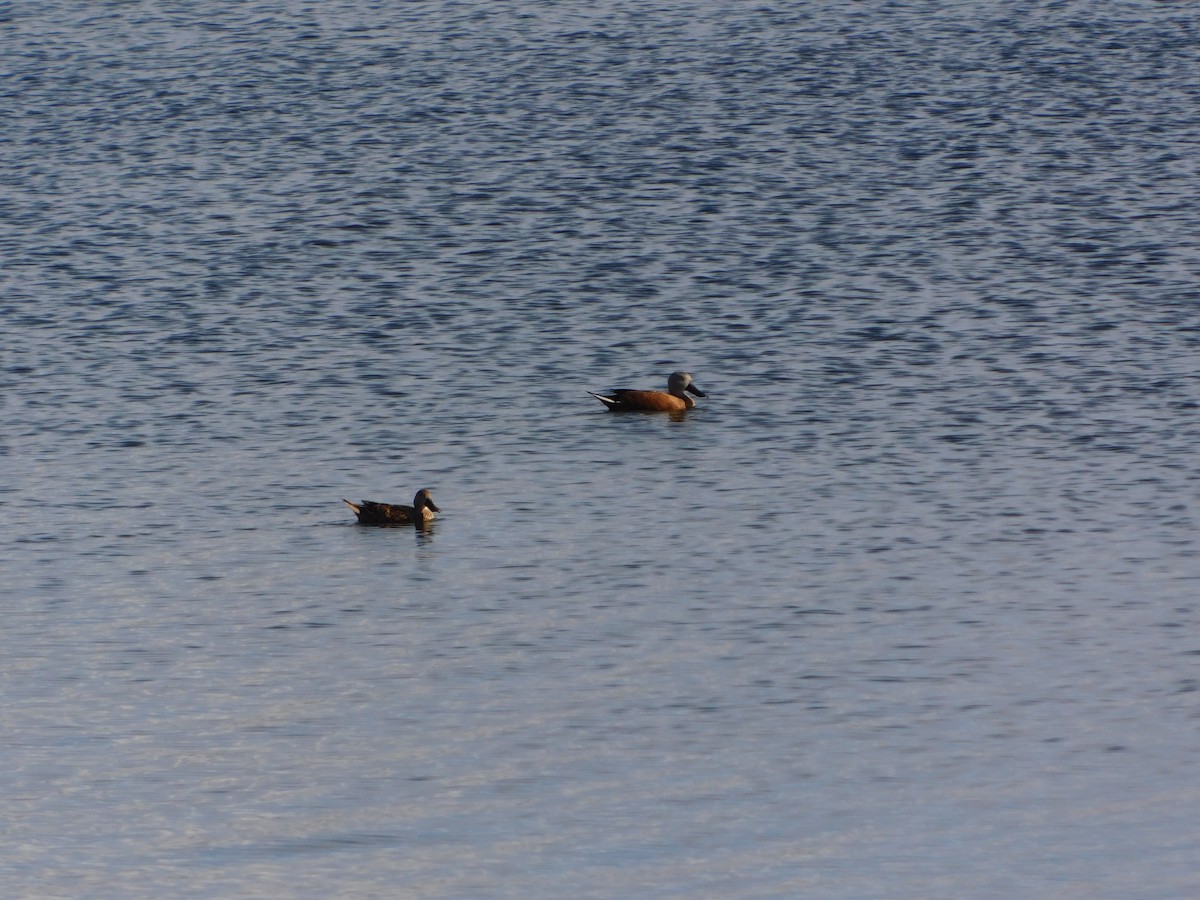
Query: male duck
371	513
673	399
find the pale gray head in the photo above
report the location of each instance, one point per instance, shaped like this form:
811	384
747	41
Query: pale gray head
680	382
423	503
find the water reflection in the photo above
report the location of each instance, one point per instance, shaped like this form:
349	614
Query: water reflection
934	535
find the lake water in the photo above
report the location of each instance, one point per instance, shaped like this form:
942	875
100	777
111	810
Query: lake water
907	607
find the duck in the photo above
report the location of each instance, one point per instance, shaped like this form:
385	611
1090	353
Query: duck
673	399
371	513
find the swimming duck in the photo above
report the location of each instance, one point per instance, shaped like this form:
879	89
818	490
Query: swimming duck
673	399
371	513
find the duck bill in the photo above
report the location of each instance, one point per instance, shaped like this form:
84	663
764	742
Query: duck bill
692	389
429	505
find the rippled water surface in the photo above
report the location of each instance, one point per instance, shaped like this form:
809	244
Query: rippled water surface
907	607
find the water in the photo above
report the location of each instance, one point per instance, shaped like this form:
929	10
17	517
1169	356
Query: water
905	608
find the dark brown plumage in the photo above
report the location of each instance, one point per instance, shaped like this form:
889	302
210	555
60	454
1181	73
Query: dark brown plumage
371	513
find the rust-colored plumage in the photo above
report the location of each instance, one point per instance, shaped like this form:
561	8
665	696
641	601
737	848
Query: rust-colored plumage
674	399
371	513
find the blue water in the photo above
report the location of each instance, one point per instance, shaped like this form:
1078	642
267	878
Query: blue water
905	608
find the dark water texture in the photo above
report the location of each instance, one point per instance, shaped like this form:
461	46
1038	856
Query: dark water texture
905	608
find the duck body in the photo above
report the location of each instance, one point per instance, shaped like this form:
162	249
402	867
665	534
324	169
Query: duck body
674	399
370	512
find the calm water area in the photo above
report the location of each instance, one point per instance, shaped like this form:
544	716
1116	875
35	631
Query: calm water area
907	607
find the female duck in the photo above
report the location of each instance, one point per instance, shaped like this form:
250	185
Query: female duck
673	399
